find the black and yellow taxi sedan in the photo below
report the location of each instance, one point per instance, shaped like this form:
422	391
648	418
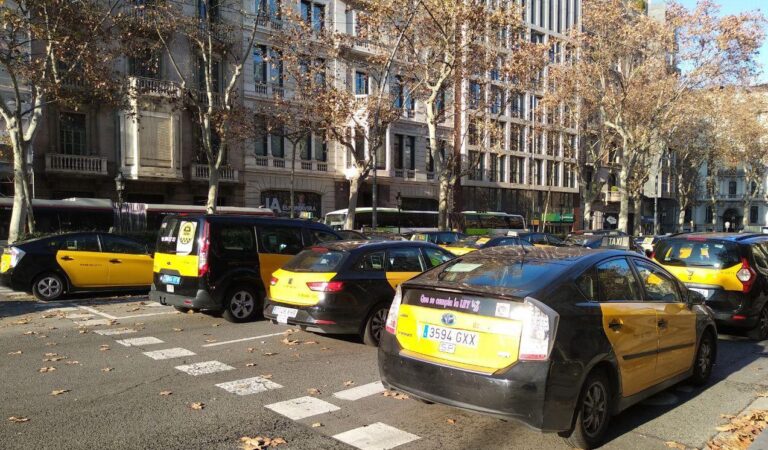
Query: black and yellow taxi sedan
473	243
560	339
54	266
347	287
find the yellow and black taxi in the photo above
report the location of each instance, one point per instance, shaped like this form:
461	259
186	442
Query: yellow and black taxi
560	339
347	287
729	270
473	243
540	239
51	267
224	263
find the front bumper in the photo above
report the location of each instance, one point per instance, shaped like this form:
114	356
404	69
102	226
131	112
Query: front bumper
518	393
321	318
201	300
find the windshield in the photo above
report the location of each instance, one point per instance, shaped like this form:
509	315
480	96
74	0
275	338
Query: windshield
169	239
335	219
523	275
471	242
689	253
316	259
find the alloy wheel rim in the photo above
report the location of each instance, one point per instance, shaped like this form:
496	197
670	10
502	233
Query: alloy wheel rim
705	354
242	304
595	409
49	287
377	323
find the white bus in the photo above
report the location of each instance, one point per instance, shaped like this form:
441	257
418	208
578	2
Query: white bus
476	223
387	220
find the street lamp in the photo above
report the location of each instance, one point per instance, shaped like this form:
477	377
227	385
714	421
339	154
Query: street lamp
120	188
399	200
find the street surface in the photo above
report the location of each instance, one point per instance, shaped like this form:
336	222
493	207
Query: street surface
141	375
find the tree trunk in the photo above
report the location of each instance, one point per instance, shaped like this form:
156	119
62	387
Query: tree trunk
438	167
292	190
624	204
745	217
681	219
443	202
354	188
587	225
213	189
21	203
637	202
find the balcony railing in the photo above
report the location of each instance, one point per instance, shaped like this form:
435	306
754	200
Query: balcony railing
269	22
405	174
307	165
612	197
90	165
151	86
202	172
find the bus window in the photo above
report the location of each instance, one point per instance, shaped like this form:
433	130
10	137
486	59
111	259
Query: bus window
494	222
472	221
516	222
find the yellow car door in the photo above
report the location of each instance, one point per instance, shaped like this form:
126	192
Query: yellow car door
81	259
403	264
277	245
630	325
129	261
676	322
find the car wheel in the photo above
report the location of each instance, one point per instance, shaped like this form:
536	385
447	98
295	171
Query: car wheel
593	413
181	309
760	332
242	304
705	359
375	325
48	287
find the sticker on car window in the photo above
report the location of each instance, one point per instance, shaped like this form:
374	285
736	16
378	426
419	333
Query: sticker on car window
482	241
463	267
186	238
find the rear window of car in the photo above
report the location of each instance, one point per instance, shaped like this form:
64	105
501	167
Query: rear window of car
516	275
316	260
691	253
169	241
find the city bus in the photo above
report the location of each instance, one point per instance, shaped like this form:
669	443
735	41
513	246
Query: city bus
474	223
389	220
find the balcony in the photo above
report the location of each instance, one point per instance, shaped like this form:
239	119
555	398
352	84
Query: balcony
75	164
612	197
405	174
265	21
200	172
269	90
301	164
154	87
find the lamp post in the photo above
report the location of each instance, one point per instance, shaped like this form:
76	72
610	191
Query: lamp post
399	200
120	188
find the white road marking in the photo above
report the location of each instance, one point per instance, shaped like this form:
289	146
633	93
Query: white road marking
204	368
78	316
96	311
216	344
169	353
303	407
115	332
138	342
64	310
94	322
148	315
377	436
359	392
249	386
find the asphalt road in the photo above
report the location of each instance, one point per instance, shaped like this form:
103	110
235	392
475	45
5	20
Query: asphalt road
312	391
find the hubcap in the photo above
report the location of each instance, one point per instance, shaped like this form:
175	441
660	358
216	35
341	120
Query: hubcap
49	287
378	322
594	409
242	304
705	355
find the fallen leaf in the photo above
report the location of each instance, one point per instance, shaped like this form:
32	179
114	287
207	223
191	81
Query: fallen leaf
317	425
22	322
72	363
59	392
134	309
270	354
54	359
290	342
166	393
29	333
190	312
290	331
250	365
216	325
673	444
395	395
15	419
51	344
82	331
451	421
18	352
260	442
108	369
197	406
46	369
325	348
310	342
763	394
104	347
267	376
250	349
313	391
178	329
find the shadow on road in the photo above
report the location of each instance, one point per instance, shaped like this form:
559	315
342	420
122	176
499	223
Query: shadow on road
17	307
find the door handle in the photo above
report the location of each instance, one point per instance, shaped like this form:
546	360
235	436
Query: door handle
67	258
663	323
615	325
115	261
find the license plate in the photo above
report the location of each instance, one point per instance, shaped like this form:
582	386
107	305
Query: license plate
170	279
283	314
170	288
450	337
705	292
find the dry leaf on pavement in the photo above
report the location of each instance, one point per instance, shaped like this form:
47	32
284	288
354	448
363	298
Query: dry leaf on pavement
18	352
216	325
51	354
72	363
178	329
104	347
46	369
267	376
108	369
166	393
250	365
15	419
29	333
270	354
673	444
349	383
740	432
451	421
291	342
82	331
317	425
763	394
54	359
197	406
310	342
59	392
22	322
210	340
133	309
260	442
313	391
395	395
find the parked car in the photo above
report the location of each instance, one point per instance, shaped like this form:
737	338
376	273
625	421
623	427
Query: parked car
557	339
347	287
729	270
352	235
51	267
442	238
472	243
605	239
224	263
539	239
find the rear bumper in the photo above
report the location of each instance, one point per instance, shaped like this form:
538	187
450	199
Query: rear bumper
201	300
732	309
331	320
8	280
519	393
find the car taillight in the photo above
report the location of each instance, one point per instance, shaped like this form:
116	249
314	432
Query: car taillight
203	245
16	255
746	275
394	310
539	329
273	281
325	286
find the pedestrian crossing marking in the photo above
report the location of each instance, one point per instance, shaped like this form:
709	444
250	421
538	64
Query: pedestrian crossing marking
138	342
169	353
378	436
249	386
204	368
303	407
359	392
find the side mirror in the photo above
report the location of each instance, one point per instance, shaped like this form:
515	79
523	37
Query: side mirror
695	298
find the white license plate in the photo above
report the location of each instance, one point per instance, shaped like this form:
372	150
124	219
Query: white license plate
705	292
450	336
170	288
283	314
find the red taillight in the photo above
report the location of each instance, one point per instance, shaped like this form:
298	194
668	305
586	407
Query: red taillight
273	281
746	275
203	245
738	317
394	310
325	286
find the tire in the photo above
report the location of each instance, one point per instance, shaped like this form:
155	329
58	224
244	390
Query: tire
705	360
592	414
760	332
181	309
48	287
375	325
242	304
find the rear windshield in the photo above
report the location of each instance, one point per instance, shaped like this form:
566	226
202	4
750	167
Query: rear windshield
316	260
471	242
690	253
178	236
528	275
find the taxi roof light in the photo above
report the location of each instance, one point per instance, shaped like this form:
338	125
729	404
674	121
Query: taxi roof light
325	286
394	310
539	330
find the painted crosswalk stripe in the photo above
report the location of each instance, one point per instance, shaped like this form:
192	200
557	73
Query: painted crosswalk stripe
377	436
359	392
94	322
79	316
204	368
115	332
249	386
303	407
169	353
138	342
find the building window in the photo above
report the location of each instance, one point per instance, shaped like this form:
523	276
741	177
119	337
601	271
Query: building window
208	9
313	15
732	188
502	166
405	152
410	152
72	134
475	94
275	67
361	83
516	165
474	133
359	144
215	76
144	64
261	147
320	148
260	65
708	216
493	165
497	104
754	213
278	144
306	147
